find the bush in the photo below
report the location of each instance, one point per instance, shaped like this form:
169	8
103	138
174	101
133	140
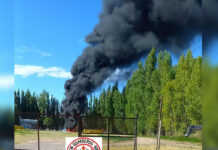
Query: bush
48	122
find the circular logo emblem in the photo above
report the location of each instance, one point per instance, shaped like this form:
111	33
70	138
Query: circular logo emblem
83	143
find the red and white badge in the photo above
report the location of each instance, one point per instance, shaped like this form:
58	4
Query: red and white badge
83	143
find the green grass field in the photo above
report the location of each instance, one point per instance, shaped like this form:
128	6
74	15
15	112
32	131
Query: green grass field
183	139
26	135
179	138
22	136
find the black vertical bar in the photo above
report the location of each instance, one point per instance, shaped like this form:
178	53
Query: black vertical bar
79	126
108	132
38	132
136	132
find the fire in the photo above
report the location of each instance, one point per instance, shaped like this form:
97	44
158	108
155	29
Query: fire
74	130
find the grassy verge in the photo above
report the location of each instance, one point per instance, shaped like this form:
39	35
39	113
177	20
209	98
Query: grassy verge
182	139
23	136
179	138
118	139
113	137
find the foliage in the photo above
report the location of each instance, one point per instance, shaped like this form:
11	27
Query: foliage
180	86
48	122
210	103
28	105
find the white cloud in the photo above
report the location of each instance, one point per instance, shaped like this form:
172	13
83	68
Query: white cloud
42	53
25	49
119	74
6	81
27	70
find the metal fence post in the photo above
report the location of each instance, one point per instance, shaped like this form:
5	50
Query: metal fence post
80	126
38	133
108	130
136	132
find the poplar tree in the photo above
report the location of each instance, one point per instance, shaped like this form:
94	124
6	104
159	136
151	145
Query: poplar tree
150	66
135	97
194	94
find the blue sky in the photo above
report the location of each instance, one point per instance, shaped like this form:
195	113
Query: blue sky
212	51
48	37
6	53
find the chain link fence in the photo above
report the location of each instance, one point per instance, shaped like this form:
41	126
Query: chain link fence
48	132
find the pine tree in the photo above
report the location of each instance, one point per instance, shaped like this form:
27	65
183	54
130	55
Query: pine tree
34	105
23	105
28	102
17	106
96	106
119	105
109	110
91	105
102	102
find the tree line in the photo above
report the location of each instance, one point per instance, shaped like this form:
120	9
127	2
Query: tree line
179	85
29	106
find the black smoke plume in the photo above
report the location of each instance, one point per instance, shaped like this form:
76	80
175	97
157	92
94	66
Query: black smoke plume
210	22
127	30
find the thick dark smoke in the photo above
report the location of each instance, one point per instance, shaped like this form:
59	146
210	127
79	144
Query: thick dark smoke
127	30
210	22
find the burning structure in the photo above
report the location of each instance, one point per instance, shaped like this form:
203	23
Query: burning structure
127	30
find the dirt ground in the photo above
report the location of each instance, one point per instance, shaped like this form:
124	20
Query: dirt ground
150	144
143	144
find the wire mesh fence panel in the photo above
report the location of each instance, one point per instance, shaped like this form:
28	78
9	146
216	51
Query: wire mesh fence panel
123	126
118	133
94	125
122	131
48	132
